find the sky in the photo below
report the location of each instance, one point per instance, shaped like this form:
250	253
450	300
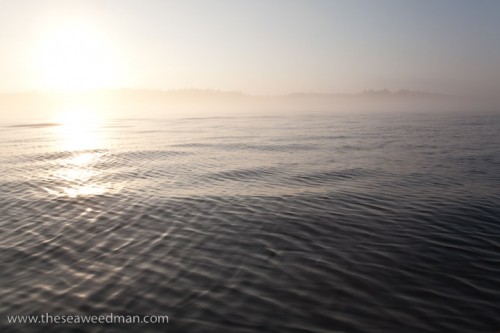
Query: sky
257	47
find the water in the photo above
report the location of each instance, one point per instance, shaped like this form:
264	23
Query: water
314	223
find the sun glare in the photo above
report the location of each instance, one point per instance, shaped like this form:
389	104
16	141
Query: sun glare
75	56
80	134
78	120
79	129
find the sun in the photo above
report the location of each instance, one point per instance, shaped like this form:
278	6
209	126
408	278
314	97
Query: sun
75	56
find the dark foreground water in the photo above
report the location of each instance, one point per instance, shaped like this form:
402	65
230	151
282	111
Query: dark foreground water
387	223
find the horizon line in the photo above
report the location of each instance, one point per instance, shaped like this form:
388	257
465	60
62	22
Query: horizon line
381	91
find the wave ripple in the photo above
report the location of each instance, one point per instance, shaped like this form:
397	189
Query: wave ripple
300	224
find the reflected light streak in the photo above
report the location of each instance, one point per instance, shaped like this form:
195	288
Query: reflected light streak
79	130
79	134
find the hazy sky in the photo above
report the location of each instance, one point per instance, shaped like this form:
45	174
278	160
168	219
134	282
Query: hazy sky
259	46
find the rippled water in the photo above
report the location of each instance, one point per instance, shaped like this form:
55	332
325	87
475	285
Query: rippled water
386	223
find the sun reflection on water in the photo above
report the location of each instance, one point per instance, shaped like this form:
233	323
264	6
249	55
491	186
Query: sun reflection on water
80	135
80	130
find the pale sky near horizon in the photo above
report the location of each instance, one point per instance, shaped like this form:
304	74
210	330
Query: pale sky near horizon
274	46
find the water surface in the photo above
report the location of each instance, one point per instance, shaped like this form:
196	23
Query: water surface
314	223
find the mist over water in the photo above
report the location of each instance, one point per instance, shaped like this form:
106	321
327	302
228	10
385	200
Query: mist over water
313	223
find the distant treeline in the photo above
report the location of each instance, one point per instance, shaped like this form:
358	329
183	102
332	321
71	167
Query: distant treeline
150	102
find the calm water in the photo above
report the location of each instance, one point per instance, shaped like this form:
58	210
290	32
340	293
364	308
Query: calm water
387	223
